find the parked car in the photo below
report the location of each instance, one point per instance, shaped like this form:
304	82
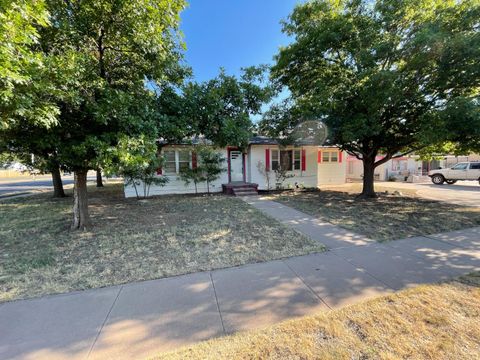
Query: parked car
461	171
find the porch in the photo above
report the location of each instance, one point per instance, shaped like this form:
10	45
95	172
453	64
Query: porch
240	188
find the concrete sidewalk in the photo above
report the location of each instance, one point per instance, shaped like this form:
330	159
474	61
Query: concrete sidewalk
328	234
142	319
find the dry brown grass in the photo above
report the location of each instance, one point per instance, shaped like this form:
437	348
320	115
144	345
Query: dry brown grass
440	321
384	218
131	240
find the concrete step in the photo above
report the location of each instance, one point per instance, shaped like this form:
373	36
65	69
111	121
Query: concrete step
243	188
245	193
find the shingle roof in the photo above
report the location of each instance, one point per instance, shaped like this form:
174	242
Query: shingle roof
262	140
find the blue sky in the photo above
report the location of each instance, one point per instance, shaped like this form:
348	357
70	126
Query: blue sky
232	34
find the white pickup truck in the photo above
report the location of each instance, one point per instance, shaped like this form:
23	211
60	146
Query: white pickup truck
460	171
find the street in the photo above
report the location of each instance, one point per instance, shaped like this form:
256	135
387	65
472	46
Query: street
461	193
16	186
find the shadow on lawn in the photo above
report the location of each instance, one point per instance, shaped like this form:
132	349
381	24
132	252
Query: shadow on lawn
159	315
386	217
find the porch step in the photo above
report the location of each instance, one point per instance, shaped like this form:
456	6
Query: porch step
243	188
250	192
240	189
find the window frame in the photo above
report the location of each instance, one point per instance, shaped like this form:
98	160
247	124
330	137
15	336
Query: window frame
174	161
327	156
295	156
177	160
295	160
274	159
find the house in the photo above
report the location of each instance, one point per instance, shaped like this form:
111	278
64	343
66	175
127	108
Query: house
254	168
406	168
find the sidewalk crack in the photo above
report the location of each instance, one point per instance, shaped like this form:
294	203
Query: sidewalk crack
444	241
364	270
308	286
104	322
218	305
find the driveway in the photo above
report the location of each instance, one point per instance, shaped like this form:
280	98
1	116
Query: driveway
461	193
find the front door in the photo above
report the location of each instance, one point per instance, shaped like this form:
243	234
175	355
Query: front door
236	165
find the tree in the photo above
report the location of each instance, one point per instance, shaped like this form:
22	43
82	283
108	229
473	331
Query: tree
137	160
34	145
220	109
24	87
281	174
388	77
193	175
27	109
108	48
211	164
99	177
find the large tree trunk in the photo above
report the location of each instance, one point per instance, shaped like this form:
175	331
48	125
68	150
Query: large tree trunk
368	178
81	218
99	178
57	183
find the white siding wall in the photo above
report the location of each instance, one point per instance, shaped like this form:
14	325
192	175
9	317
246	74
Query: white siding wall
332	173
307	178
357	170
314	175
177	186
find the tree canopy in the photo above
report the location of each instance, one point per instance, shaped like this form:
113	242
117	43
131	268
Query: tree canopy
221	108
387	76
24	85
97	57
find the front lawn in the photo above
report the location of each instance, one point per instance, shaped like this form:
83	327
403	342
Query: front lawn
440	321
131	240
387	217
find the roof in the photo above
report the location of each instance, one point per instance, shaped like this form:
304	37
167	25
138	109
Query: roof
262	140
255	140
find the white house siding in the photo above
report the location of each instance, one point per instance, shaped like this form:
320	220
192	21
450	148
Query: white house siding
315	173
307	178
332	173
355	169
177	186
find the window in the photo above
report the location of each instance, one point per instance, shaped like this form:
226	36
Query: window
176	161
183	160
297	160
329	156
286	159
461	166
170	166
334	156
475	166
275	159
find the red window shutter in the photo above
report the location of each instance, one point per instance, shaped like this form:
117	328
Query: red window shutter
194	160
267	159
340	156
304	160
319	158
